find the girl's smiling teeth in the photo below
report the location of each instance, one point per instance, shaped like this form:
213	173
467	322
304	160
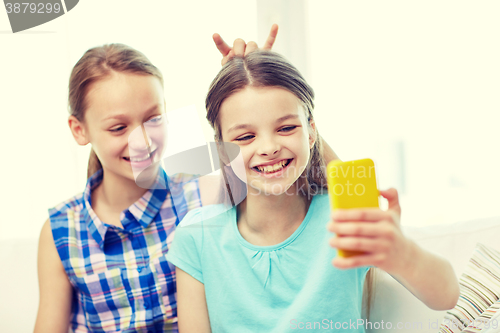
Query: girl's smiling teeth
139	159
272	168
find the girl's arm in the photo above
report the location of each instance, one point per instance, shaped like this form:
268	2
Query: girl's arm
54	308
429	277
192	312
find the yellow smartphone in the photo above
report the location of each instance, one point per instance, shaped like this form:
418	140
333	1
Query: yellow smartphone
352	184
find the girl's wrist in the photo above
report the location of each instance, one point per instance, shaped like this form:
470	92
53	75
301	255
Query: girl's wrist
408	261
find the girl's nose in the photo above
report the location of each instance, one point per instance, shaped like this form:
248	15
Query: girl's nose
269	147
139	139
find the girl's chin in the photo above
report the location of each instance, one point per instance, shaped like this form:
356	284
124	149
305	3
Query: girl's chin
270	190
145	178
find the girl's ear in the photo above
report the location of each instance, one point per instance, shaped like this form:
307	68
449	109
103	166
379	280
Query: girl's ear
78	130
312	133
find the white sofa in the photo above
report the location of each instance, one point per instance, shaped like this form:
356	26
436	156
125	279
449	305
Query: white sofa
18	285
455	242
392	304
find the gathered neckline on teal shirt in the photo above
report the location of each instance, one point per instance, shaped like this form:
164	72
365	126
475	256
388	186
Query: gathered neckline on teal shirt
278	246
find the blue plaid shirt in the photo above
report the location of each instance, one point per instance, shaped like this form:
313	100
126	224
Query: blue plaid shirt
121	279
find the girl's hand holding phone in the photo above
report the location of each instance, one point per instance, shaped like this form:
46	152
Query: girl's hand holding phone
374	232
377	233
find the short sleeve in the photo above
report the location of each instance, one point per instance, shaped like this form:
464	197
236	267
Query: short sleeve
185	251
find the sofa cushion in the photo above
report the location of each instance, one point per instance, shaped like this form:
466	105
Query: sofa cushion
455	242
479	289
487	322
18	285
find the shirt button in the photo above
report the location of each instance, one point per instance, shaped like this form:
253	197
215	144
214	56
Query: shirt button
146	304
139	269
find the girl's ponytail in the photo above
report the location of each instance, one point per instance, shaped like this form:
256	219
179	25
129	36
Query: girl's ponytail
96	64
94	164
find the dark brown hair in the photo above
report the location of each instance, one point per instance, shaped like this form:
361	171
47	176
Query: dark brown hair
269	69
97	64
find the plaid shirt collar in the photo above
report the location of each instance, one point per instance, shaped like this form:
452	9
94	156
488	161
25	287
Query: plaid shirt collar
143	210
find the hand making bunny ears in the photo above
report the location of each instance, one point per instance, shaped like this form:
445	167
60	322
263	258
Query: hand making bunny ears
240	48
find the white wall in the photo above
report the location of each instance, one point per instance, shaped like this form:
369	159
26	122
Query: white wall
41	163
412	85
415	86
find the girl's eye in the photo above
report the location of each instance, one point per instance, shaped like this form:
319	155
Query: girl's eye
245	138
117	129
155	120
288	128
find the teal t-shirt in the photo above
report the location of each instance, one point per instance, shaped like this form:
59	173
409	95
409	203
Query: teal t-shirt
288	286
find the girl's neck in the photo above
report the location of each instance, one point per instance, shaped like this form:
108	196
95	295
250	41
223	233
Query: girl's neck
115	194
266	220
